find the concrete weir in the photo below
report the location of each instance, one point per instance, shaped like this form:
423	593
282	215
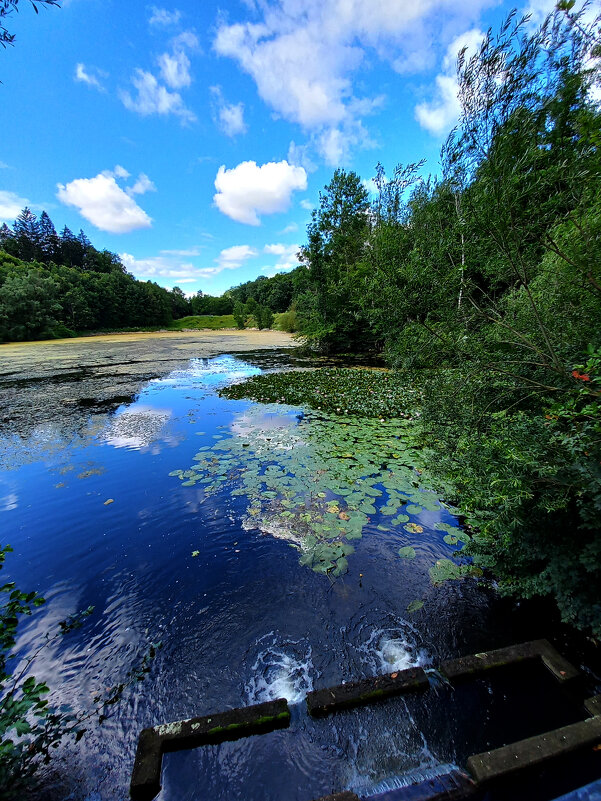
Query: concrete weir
467	667
194	732
484	768
322	702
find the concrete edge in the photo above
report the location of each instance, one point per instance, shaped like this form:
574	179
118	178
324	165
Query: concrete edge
193	732
492	765
330	699
474	664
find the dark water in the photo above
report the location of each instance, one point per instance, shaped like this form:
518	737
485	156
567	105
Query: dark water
241	621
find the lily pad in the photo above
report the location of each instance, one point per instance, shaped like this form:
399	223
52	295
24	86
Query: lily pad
415	606
408	552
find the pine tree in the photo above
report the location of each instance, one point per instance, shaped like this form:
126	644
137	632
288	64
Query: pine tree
71	249
49	241
27	233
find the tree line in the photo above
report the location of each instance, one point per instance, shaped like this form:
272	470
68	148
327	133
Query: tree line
484	284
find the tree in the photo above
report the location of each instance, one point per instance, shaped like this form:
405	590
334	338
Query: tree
28	306
239	315
8	6
49	241
330	312
26	231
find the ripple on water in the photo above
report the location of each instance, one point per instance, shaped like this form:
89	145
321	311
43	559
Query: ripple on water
282	668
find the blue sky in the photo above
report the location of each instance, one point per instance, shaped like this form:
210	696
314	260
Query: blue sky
193	139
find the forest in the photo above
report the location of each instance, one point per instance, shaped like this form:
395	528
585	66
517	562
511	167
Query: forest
482	284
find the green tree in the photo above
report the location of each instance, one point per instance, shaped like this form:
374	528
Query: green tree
28	306
330	311
239	315
7	7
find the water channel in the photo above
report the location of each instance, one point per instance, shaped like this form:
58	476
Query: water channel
102	516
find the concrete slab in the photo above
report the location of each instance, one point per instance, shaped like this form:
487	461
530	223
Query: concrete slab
593	705
356	693
182	734
466	667
505	761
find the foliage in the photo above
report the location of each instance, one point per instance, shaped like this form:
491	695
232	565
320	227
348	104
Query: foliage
316	481
51	284
239	315
8	6
368	393
286	321
329	310
30	727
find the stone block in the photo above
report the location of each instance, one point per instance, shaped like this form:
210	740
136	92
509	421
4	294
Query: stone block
357	693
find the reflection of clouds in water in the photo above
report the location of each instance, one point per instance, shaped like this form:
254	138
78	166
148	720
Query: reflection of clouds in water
138	427
278	430
208	372
9	502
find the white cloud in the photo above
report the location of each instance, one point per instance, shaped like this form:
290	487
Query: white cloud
175	69
86	75
162	268
104	203
228	116
163	18
153	95
195	251
440	114
247	191
11	205
233	257
153	98
300	156
304	54
289	229
142	185
306	205
287	258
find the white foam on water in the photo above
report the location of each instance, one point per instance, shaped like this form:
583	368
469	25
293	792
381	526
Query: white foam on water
282	669
392	649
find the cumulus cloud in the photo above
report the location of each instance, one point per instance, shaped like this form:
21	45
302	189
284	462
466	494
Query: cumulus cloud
11	205
90	76
161	268
306	205
162	18
154	98
287	258
247	191
440	114
104	203
228	116
303	57
233	257
175	69
141	186
157	95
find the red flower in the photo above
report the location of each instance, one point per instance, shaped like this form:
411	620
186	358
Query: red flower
581	376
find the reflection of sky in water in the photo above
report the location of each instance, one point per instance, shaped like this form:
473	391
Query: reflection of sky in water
137	427
240	620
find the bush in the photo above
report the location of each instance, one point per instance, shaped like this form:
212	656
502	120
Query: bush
286	321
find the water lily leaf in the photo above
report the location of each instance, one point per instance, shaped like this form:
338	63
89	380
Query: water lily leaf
195	553
415	606
451	539
445	570
413	528
408	552
413	509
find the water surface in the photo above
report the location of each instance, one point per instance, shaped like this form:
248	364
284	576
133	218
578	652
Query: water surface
96	519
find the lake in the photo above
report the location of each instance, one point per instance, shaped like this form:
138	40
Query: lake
137	497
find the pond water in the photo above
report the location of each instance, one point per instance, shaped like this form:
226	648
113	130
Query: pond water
230	532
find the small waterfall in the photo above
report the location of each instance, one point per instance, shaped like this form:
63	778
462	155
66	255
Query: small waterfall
282	669
389	649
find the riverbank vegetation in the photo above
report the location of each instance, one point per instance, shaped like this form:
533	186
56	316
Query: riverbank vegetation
486	281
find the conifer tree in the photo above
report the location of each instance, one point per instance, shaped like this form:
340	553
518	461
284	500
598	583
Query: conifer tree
49	241
27	233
